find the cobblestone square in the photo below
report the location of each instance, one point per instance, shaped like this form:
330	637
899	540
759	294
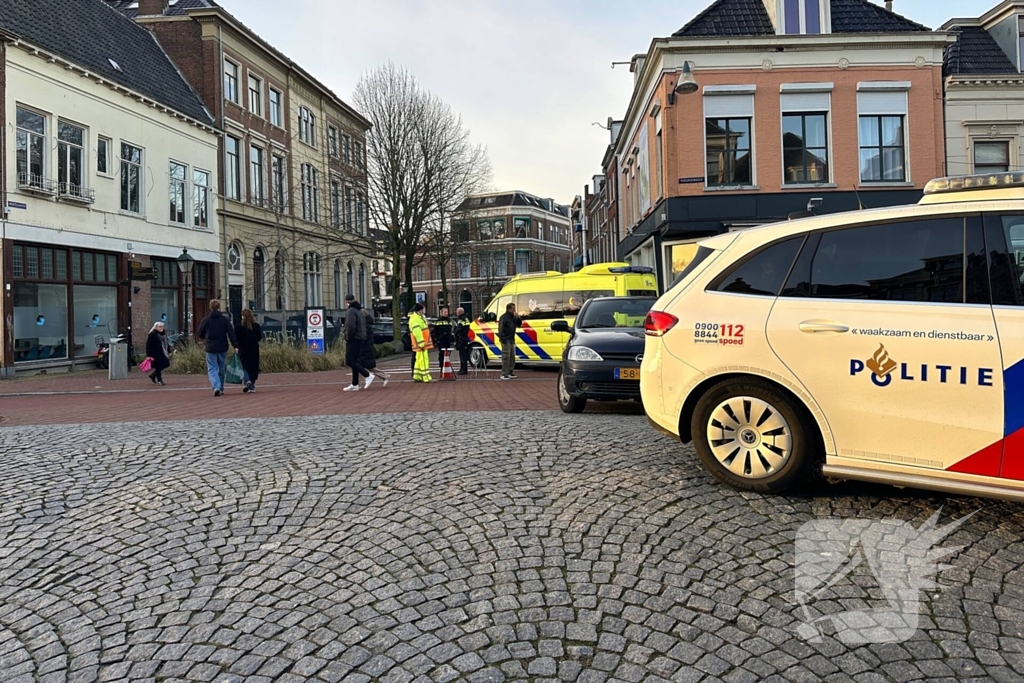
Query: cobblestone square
530	546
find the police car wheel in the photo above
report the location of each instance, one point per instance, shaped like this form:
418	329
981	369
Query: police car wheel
566	401
751	436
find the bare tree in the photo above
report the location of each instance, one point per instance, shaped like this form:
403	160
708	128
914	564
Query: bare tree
420	163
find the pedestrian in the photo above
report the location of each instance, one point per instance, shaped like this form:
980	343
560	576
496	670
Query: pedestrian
216	331
507	326
462	327
419	333
442	335
249	335
355	338
369	357
156	348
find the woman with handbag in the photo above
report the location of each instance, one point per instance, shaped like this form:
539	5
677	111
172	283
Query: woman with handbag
419	334
157	353
249	336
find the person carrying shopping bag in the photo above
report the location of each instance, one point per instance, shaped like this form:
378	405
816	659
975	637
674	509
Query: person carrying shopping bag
419	333
158	353
249	335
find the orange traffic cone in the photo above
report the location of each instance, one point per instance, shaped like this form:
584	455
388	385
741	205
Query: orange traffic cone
446	372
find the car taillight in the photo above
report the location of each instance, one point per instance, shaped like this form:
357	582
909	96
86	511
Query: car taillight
658	323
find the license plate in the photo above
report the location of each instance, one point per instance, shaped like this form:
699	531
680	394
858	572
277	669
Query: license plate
627	373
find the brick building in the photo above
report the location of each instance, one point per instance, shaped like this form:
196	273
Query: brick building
293	181
757	107
495	236
109	159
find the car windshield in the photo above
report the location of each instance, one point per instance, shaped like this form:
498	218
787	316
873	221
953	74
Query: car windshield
624	312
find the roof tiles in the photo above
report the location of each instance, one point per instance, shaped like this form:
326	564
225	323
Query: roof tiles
750	18
975	52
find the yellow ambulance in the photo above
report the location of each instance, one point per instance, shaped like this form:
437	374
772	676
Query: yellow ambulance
541	298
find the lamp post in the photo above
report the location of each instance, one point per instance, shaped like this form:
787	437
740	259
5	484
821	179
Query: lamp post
185	265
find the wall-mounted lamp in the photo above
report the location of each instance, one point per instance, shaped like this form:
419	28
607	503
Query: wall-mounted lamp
686	85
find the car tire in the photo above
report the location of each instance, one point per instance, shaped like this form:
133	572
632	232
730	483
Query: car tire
766	441
566	401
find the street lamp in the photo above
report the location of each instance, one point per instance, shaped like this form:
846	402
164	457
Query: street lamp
686	85
185	265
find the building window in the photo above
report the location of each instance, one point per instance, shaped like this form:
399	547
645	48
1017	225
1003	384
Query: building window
1020	31
200	199
991	156
805	147
339	296
462	231
346	149
728	151
521	227
310	194
307	126
231	81
257	169
275	107
522	261
259	283
255	95
421	273
235	258
540	263
362	282
332	141
131	178
176	193
494	264
348	209
361	213
314	279
464	266
103	156
350	278
558	264
801	17
70	158
233	169
336	204
882	153
277	180
357	154
30	147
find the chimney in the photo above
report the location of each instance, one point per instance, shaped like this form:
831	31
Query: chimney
888	5
148	8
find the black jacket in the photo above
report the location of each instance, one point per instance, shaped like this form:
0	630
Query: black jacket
249	348
442	333
507	325
216	331
367	351
462	325
156	348
355	325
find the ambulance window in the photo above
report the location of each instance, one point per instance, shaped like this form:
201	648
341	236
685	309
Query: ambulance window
763	273
540	305
575	299
919	260
1004	238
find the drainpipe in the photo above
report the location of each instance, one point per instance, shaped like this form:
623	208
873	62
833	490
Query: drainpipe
220	160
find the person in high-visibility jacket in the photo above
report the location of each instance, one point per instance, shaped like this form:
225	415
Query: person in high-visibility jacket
420	337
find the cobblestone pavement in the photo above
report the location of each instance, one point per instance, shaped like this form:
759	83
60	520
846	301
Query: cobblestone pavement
541	547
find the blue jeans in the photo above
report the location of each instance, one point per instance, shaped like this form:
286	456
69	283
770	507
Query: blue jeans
216	368
245	378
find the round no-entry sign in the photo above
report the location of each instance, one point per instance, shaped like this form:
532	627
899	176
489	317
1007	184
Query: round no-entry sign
315	320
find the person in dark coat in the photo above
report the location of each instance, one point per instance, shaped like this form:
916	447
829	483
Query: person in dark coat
249	336
157	349
355	339
368	350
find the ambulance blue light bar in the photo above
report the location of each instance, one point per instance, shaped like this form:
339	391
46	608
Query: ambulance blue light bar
986	181
631	269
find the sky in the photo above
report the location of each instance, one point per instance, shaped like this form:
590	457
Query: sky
529	77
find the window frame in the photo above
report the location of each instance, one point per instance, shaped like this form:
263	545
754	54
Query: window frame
275	109
65	147
332	141
235	76
141	165
257	175
202	201
803	115
1005	142
258	92
824	18
313	278
278	183
44	156
750	182
104	140
182	184
310	178
307	126
233	173
881	148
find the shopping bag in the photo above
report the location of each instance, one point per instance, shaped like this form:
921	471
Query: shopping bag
146	365
234	373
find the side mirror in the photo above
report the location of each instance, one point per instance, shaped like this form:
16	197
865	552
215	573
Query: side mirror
560	326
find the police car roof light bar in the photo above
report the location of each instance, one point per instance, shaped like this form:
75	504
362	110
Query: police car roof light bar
987	181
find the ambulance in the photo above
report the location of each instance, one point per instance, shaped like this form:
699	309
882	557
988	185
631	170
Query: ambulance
541	298
885	346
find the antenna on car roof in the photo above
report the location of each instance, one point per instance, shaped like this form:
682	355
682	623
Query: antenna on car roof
860	204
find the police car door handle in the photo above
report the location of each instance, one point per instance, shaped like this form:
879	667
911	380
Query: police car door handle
814	326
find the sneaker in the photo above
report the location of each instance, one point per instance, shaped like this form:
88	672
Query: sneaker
247	388
161	382
387	378
216	392
351	387
369	381
153	377
506	377
252	388
513	376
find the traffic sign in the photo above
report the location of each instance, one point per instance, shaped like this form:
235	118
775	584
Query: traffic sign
316	346
315	319
315	330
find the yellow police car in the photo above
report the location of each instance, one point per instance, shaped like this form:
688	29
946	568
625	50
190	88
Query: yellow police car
883	345
541	298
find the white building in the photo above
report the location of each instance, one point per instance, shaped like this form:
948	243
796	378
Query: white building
985	91
110	159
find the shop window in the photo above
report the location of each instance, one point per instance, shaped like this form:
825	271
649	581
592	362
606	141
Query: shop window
40	321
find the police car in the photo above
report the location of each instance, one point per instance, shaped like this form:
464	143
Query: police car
883	345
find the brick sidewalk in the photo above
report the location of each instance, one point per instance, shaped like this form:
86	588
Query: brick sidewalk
89	397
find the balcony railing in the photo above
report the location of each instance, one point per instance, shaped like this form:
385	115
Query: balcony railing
76	193
31	182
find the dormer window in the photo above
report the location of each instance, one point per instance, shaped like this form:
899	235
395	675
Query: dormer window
803	17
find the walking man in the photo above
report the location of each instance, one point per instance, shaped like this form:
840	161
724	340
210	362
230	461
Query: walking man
355	338
442	334
508	323
216	331
462	325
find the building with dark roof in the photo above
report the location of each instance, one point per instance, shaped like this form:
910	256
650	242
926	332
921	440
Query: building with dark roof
493	237
984	91
756	107
110	170
293	178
